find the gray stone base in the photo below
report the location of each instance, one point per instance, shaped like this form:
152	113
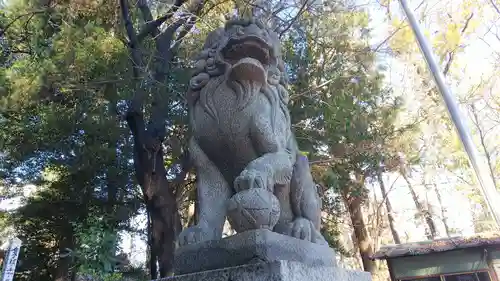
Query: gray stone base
254	246
275	271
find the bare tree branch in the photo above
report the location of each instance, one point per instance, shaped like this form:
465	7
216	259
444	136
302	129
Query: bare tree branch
451	54
401	26
268	12
482	139
133	44
292	21
165	52
151	26
3	29
495	6
185	30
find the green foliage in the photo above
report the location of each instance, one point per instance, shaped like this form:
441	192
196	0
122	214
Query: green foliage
97	243
350	114
343	114
65	73
331	233
95	255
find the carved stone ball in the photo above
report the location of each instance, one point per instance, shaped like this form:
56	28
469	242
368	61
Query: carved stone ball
254	208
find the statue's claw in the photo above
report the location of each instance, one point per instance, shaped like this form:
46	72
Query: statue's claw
302	228
193	234
249	179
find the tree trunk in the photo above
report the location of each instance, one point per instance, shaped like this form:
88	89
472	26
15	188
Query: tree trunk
388	206
62	272
165	224
375	227
431	233
159	198
151	257
444	219
159	195
354	204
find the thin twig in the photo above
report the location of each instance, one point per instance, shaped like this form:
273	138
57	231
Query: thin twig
151	26
482	139
495	6
31	14
451	54
299	13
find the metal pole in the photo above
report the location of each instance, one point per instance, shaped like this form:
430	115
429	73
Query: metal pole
488	188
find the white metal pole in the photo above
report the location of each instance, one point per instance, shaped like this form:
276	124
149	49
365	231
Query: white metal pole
491	195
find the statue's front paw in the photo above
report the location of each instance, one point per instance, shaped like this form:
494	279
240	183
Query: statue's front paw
193	234
300	228
250	178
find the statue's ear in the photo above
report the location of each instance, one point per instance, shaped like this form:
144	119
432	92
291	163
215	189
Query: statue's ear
284	96
281	66
192	97
213	37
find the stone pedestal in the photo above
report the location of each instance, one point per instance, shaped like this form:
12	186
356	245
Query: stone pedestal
253	246
260	255
275	271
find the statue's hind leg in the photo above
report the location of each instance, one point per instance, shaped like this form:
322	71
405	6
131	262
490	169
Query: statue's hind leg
213	192
305	205
282	192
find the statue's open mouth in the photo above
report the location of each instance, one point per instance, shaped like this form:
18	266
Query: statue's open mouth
247	47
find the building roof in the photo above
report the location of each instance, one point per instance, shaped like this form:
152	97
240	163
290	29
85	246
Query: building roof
438	245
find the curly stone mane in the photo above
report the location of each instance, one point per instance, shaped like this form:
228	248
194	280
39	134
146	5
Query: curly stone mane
221	50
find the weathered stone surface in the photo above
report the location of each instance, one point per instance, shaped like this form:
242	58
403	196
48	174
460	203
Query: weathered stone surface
249	247
242	139
275	271
252	209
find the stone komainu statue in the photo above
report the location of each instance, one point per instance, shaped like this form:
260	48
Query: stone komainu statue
248	165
